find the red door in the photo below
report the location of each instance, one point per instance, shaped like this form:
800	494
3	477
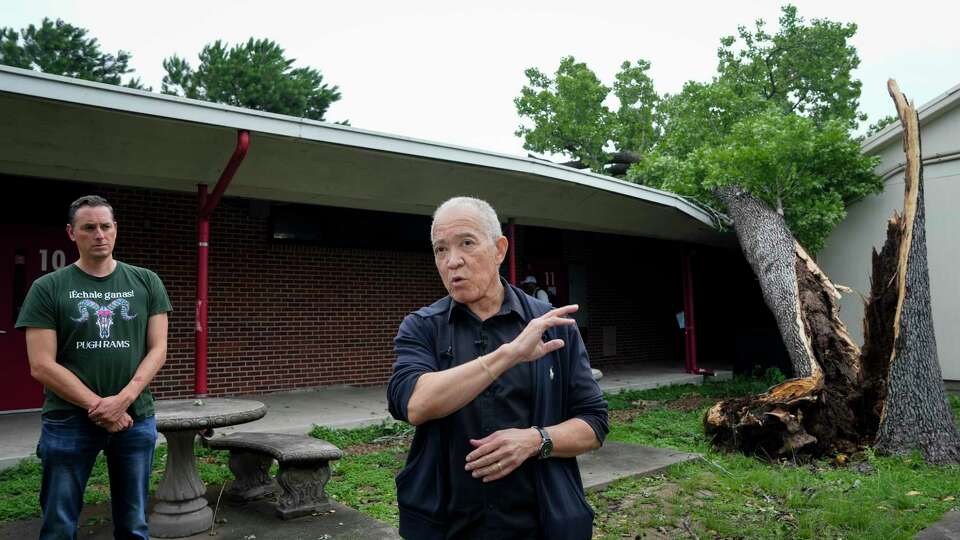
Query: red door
26	253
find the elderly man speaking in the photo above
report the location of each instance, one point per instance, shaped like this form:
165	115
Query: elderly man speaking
500	389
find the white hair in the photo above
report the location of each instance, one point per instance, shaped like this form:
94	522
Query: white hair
488	216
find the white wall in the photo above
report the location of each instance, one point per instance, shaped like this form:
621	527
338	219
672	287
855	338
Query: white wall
847	254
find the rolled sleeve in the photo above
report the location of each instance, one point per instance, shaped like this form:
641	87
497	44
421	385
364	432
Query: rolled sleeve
585	400
414	352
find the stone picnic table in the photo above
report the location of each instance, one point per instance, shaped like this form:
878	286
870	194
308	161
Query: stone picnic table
181	509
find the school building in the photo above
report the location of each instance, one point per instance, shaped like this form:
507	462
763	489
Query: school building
319	245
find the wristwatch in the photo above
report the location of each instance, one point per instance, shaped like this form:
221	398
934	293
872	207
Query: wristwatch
546	444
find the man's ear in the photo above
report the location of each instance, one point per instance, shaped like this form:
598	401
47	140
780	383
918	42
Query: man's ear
70	233
502	245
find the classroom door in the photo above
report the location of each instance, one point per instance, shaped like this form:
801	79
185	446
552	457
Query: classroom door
26	253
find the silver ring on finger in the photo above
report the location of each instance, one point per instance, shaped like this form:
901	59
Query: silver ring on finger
499	467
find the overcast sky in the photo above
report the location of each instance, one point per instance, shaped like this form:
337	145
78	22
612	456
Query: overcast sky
448	71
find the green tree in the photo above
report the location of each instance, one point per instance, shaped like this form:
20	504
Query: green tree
569	115
59	48
807	173
775	121
805	68
877	126
254	75
767	140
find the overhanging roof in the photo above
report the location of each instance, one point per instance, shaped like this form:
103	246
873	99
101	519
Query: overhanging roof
65	128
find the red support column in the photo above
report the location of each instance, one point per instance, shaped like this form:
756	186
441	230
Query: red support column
690	324
200	342
206	205
512	234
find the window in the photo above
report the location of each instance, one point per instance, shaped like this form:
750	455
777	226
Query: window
350	228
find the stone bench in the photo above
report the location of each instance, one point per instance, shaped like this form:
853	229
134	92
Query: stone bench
304	469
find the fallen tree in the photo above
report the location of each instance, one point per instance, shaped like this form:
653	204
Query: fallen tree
889	394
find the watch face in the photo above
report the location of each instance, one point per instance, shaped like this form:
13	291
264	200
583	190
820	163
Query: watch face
546	448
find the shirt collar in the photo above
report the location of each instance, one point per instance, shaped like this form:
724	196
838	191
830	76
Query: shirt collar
511	303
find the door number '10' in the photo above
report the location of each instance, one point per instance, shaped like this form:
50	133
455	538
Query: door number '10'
52	261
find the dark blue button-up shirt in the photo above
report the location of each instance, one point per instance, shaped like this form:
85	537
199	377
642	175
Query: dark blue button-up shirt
561	387
505	508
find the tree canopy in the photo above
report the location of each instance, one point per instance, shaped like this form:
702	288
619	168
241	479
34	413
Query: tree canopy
255	75
804	68
569	115
59	48
775	119
808	173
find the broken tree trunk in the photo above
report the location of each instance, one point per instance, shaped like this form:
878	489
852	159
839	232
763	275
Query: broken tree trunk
890	394
814	414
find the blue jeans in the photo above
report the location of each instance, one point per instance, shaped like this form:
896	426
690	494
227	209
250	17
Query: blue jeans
69	444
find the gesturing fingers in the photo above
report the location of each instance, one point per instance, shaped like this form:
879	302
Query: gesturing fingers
562	311
529	344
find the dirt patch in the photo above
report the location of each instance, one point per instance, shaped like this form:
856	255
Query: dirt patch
631	413
667	491
376	446
660	533
624	416
650	513
690	403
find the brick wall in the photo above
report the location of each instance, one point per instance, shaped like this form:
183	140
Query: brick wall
633	285
285	316
281	316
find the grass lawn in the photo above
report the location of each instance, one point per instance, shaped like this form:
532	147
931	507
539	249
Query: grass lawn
720	496
733	496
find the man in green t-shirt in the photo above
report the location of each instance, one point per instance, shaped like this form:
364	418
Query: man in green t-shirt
96	336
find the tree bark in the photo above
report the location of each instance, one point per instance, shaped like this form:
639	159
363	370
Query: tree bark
770	249
891	393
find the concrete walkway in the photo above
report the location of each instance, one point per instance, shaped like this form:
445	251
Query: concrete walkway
948	528
335	406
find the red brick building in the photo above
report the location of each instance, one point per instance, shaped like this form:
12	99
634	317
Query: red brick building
320	244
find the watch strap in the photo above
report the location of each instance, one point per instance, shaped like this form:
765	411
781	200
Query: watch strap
546	443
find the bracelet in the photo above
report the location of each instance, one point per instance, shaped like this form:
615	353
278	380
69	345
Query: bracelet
487	369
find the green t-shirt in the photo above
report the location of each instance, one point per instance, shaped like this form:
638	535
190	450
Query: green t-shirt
101	325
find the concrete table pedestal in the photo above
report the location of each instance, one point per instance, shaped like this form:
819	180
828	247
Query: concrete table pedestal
181	509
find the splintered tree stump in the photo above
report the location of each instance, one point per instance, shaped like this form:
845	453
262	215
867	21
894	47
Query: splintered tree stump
889	394
915	412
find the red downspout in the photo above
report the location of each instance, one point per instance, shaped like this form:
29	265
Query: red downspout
690	327
512	233
684	272
207	203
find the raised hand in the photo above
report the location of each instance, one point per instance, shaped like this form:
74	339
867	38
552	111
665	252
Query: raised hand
529	345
